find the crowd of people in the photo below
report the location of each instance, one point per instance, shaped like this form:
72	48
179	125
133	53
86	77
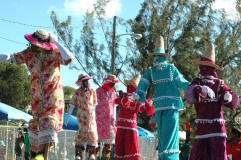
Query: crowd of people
96	109
22	146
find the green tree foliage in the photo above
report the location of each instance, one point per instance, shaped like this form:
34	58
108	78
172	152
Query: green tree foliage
188	27
92	45
68	91
14	85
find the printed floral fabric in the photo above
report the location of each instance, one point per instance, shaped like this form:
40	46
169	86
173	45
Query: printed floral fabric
105	115
85	101
47	99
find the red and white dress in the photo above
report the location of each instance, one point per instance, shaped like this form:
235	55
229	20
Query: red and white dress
126	142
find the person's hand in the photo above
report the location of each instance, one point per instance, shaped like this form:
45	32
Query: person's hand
53	38
227	97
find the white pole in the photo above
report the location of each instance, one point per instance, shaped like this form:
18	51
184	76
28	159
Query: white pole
7	142
13	149
65	152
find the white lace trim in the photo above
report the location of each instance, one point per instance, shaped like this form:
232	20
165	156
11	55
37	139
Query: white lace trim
160	63
107	141
166	97
78	142
165	108
211	135
209	120
43	137
206	77
129	128
145	80
127	120
127	155
170	151
164	79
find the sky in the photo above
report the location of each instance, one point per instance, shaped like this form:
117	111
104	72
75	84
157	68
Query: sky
15	14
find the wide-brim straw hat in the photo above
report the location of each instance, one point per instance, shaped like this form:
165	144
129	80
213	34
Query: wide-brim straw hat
40	38
83	77
159	48
208	58
111	78
134	81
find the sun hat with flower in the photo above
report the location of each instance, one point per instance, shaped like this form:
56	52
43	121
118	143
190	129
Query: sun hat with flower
111	78
40	38
83	77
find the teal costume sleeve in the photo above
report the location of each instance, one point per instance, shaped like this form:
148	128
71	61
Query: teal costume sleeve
144	85
180	81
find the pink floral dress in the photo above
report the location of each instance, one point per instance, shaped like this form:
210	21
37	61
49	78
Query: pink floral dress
47	98
105	115
85	101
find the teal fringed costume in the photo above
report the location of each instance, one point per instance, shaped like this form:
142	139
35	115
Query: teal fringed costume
166	79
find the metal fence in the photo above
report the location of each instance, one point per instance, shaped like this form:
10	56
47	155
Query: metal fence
65	148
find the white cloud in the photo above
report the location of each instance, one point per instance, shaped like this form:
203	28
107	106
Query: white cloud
112	8
79	7
228	6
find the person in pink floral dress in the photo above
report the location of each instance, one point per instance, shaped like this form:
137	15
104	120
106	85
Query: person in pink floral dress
85	99
105	114
43	58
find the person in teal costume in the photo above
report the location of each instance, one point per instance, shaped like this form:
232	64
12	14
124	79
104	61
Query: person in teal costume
166	80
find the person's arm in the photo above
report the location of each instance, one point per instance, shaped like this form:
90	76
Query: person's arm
6	58
122	101
143	86
16	58
71	108
194	93
66	55
149	107
228	97
180	81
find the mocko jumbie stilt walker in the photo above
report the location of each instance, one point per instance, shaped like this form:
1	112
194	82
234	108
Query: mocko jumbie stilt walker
209	94
85	100
106	114
43	58
166	80
126	142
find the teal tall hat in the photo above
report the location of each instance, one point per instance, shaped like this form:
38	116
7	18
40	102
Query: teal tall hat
159	48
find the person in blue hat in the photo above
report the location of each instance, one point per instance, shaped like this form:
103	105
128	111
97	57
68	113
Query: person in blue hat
166	80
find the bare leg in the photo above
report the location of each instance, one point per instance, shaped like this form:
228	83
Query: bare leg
78	152
92	152
107	151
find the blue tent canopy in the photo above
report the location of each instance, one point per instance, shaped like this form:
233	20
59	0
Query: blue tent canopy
73	125
10	113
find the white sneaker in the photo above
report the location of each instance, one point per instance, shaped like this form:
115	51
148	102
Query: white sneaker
78	157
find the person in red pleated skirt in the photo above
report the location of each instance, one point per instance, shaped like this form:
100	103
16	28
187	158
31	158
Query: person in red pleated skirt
126	142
